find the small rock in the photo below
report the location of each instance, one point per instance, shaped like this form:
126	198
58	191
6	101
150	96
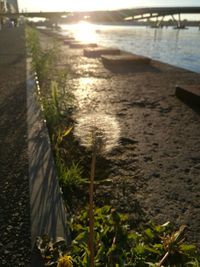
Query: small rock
156	174
127	141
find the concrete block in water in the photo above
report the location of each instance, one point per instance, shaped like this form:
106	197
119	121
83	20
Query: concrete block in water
63	38
68	40
125	60
98	51
189	94
81	45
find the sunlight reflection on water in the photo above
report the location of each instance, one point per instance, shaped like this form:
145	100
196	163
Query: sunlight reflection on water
176	47
83	32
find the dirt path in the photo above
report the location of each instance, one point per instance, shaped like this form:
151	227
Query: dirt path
14	184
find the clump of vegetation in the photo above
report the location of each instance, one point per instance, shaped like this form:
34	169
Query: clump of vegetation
57	101
117	244
55	94
43	60
51	107
69	177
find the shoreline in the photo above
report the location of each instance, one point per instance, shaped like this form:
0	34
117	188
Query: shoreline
166	45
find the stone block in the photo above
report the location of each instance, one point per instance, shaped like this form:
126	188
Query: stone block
63	38
125	60
81	45
189	94
98	51
68	40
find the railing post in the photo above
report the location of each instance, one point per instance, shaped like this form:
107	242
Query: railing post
179	21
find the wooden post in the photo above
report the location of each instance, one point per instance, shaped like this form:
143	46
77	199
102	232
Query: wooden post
174	20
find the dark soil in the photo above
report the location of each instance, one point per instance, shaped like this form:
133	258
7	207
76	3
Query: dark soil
15	243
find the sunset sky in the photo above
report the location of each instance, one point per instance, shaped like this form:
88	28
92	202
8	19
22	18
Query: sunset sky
80	5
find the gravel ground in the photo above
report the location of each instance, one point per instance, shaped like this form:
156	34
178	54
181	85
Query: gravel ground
155	169
15	244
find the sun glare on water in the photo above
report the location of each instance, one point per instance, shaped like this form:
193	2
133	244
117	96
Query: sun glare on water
85	32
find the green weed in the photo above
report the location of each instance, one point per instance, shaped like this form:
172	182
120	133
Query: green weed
43	61
51	107
117	244
69	177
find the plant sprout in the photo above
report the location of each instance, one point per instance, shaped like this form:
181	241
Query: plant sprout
99	133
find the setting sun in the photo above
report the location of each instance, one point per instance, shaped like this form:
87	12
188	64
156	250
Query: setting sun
83	31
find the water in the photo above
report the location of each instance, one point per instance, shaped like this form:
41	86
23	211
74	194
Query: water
177	47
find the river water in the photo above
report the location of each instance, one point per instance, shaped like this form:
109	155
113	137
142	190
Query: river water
177	47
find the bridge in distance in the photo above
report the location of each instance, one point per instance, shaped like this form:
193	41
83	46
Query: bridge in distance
115	15
135	13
